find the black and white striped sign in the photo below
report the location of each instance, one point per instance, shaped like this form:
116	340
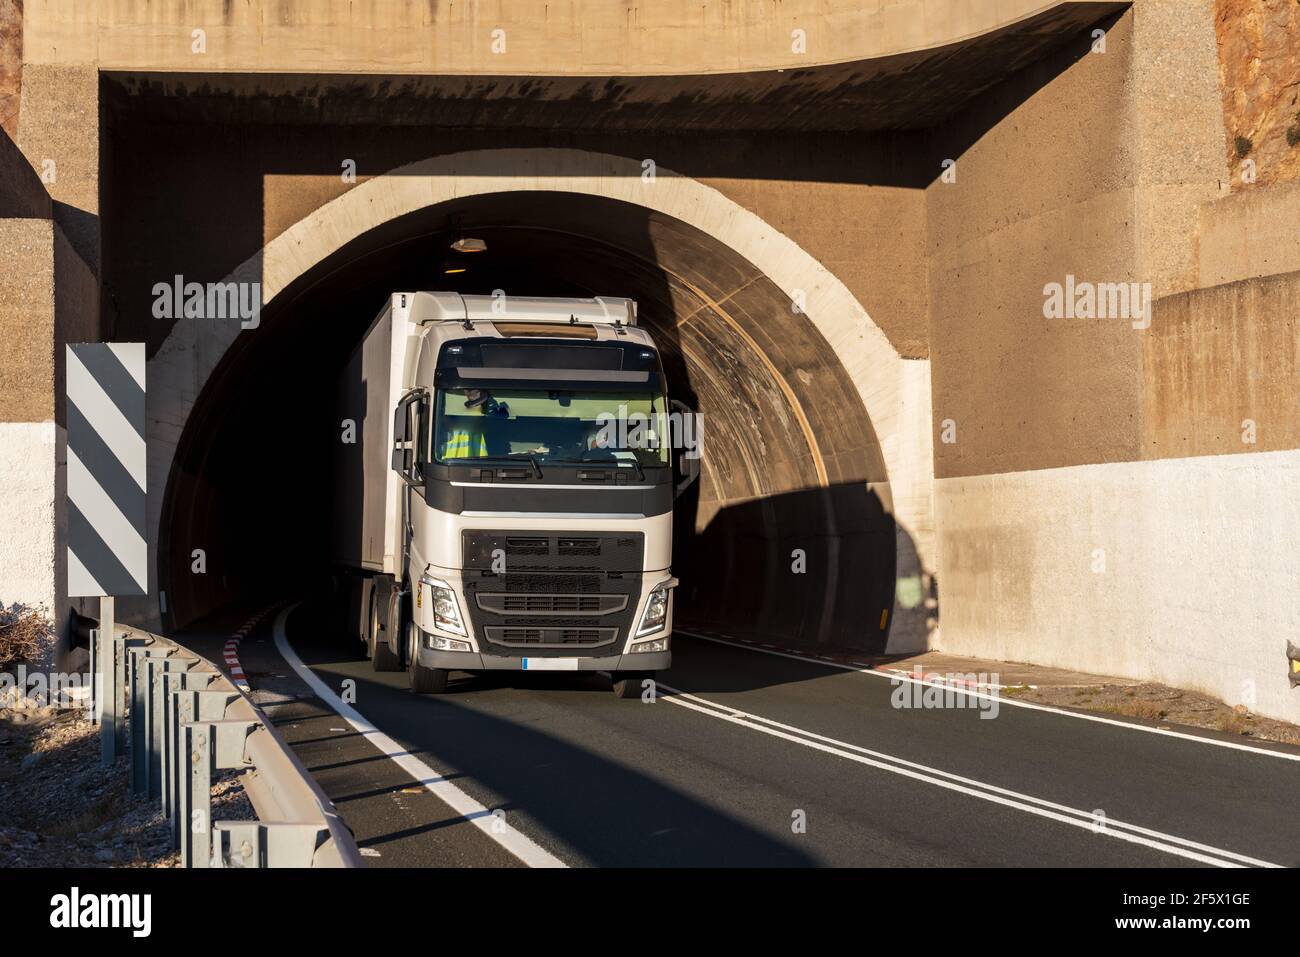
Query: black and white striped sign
107	550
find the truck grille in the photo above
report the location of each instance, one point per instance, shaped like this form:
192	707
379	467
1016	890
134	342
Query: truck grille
557	594
562	638
529	552
524	603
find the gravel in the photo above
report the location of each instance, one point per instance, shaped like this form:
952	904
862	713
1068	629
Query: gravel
60	807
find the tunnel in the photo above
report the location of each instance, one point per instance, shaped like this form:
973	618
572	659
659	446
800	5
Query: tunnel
788	533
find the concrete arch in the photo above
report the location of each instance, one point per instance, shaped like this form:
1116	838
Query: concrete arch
894	392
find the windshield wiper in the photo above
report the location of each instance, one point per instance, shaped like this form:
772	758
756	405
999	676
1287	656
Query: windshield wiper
605	464
498	460
532	460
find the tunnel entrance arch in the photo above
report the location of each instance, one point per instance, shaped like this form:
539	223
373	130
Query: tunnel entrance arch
805	408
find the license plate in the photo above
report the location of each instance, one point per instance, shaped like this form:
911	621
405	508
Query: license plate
550	664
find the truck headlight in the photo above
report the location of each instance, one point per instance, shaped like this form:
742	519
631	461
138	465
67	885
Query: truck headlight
656	611
446	610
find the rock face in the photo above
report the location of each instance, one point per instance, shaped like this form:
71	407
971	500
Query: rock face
11	63
1259	69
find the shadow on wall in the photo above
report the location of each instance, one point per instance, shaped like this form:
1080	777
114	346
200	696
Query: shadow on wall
811	568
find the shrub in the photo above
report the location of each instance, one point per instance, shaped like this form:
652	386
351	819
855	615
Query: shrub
1244	145
23	632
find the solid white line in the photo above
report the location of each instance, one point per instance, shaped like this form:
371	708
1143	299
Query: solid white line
890	676
1086	818
514	841
1108	828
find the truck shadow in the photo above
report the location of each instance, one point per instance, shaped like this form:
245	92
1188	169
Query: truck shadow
572	775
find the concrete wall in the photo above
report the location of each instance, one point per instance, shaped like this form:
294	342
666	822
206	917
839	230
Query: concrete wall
59	131
1093	165
1221	368
1175	570
31	473
852	205
1074	437
1178	569
569	37
1046	171
1251	233
47	298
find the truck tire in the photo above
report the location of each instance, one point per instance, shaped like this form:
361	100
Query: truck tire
382	656
423	680
627	684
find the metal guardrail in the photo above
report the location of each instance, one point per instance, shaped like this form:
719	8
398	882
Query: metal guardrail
181	720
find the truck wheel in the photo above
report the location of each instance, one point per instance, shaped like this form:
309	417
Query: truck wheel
385	602
627	684
423	680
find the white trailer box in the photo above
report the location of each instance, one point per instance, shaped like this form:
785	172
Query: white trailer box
368	490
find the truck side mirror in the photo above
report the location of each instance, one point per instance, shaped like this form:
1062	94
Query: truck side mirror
686	467
404	437
402	419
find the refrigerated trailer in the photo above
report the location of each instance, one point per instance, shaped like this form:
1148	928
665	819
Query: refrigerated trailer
504	489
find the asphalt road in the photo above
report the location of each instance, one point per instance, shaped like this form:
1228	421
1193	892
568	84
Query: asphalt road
749	759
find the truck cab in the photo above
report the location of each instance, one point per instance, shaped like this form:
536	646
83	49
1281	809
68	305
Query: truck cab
532	483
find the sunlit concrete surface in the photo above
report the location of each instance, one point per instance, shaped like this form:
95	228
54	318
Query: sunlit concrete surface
910	174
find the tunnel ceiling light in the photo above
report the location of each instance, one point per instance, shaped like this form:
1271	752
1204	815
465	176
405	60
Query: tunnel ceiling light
467	245
453	270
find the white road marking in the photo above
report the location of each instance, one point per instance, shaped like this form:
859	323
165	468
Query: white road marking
1132	833
890	676
499	830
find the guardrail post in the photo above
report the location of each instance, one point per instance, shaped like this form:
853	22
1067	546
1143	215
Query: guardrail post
265	843
139	704
173	683
210	746
196	795
191	703
104	678
155	715
121	685
96	682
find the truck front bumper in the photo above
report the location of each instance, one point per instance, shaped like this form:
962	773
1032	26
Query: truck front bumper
473	661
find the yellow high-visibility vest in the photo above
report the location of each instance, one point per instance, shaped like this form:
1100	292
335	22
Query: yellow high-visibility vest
461	445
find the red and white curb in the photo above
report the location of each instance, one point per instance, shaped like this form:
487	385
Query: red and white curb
850	661
230	653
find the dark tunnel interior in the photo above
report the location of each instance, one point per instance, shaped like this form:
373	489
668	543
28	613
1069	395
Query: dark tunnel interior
791	461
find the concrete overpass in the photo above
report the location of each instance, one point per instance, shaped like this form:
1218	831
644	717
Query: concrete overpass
854	211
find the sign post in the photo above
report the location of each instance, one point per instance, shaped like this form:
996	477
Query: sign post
107	534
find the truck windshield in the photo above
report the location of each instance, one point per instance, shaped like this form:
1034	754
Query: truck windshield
551	425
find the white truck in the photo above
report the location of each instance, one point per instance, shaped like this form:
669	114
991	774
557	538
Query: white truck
504	489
